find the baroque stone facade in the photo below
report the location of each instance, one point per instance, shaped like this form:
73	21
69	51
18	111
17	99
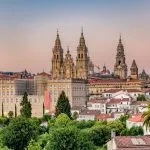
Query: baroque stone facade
120	68
65	67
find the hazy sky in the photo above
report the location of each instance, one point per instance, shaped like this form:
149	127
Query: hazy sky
28	31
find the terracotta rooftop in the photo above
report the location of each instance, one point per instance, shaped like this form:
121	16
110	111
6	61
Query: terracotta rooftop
117	101
136	118
132	142
91	81
117	90
141	103
89	112
103	101
103	116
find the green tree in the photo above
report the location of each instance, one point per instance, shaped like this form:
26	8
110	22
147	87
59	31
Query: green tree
18	133
141	97
63	139
133	131
10	114
26	110
33	145
75	115
2	110
62	120
63	105
100	135
146	116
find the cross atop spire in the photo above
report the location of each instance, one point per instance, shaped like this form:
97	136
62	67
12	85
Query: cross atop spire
81	31
120	38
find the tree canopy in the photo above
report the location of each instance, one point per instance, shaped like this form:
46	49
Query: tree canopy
26	110
63	105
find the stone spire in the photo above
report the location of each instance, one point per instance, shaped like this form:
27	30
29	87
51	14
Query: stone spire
134	70
120	48
57	58
120	68
133	64
57	41
82	59
82	40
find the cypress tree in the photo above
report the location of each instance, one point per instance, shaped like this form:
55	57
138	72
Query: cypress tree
26	109
15	111
63	105
2	110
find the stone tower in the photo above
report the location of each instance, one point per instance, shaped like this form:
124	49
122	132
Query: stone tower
120	68
69	67
134	70
82	59
57	59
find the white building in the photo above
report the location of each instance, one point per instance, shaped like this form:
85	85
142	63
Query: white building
137	120
97	104
88	115
116	93
75	89
118	105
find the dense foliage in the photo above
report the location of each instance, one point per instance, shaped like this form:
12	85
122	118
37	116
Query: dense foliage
60	133
25	104
19	132
63	105
141	97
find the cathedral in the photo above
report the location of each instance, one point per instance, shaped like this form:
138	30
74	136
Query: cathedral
120	68
65	68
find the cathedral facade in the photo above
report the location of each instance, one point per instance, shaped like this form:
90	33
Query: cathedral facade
65	68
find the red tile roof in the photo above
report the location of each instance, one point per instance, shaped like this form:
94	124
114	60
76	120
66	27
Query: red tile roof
117	101
132	142
103	116
89	112
136	118
128	90
103	101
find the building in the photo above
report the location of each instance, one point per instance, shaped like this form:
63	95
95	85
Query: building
137	120
65	67
97	86
118	105
97	104
129	143
88	115
118	93
75	89
12	88
134	70
120	68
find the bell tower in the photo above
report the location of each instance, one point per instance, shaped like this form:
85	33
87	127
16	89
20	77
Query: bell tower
120	68
82	59
57	58
134	70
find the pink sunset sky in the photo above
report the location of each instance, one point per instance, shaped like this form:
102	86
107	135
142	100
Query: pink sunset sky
28	32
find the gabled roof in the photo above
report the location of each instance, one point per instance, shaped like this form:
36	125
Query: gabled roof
132	142
136	118
89	112
117	101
